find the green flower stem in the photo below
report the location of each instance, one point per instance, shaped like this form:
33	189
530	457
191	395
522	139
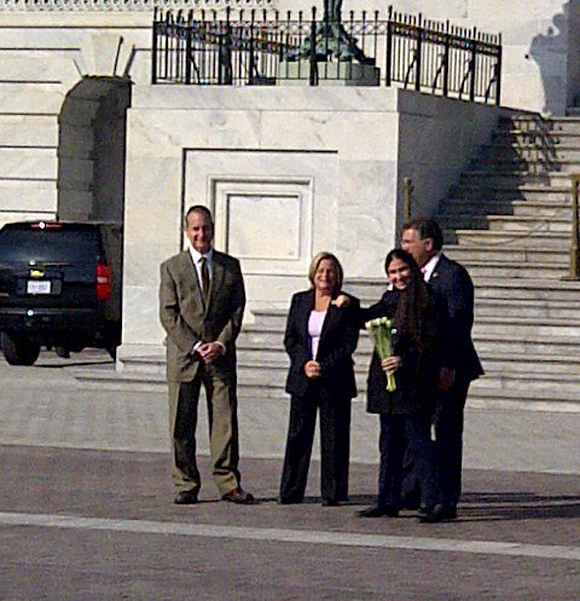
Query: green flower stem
380	329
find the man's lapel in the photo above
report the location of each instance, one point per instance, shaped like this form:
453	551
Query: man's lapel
190	275
216	280
433	280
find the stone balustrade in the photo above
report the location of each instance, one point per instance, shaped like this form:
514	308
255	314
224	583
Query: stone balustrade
125	5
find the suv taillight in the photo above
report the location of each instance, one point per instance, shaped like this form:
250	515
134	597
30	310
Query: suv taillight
104	284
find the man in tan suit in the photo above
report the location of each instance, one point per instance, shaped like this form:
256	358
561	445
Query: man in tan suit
201	303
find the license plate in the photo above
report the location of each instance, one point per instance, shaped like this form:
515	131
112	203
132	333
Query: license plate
38	287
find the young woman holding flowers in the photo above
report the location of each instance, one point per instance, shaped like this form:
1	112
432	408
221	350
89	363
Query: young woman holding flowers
405	412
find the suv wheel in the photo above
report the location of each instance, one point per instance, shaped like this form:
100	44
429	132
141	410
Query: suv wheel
19	350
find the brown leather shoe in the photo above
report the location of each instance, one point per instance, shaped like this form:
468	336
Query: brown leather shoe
239	496
186	497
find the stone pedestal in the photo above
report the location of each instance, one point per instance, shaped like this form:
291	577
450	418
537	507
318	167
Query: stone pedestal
287	172
337	73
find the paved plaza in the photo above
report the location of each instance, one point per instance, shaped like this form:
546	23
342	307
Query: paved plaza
86	508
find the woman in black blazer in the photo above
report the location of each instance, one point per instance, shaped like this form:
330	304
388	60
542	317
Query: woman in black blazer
320	340
405	413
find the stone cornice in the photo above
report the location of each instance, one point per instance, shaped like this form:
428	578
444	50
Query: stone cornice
126	5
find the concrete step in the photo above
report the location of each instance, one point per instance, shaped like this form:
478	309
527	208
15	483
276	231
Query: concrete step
557	222
28	195
537	208
548	143
517	256
507	151
554	241
512	363
533	309
514	179
29	130
526	290
496	332
451	222
460	207
502	144
528	363
547	327
28	163
531	383
485	288
544	384
458	210
529	166
486	192
484	307
497	398
106	378
493	390
143	364
555	346
31	98
541	125
503	270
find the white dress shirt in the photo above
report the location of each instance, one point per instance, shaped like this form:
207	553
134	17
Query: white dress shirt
197	257
429	267
315	323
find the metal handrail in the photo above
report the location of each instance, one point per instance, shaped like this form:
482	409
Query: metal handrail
575	242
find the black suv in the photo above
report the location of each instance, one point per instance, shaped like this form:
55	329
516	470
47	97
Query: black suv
60	285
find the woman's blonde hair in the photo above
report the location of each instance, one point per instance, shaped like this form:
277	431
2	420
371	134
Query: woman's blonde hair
322	256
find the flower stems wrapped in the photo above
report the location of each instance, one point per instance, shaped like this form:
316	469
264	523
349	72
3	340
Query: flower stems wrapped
381	329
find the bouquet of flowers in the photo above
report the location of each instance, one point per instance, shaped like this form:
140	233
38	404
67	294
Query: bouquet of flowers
382	329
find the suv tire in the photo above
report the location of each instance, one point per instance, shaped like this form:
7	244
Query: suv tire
19	350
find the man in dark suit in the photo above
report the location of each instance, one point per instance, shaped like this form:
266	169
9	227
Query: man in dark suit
201	304
423	239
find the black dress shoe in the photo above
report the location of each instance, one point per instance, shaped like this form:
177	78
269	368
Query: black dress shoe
330	503
433	515
288	501
450	512
375	511
186	497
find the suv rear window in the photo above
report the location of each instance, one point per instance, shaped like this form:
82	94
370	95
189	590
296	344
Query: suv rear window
49	245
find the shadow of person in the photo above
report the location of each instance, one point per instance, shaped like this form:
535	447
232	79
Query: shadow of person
549	51
506	506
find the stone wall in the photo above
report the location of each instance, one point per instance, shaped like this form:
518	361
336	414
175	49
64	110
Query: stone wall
287	173
541	39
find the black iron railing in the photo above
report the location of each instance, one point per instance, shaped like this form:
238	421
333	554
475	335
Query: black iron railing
262	48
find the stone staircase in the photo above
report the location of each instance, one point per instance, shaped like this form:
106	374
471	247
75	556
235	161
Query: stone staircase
508	221
509	218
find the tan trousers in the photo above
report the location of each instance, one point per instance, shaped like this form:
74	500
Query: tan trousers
223	430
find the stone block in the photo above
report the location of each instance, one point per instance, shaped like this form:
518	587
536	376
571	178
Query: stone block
28	163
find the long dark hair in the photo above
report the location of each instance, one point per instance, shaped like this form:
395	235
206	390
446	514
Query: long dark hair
414	307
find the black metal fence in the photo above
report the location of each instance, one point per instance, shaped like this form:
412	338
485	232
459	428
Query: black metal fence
262	48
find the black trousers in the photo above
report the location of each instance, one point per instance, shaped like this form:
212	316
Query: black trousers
401	434
334	443
448	419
